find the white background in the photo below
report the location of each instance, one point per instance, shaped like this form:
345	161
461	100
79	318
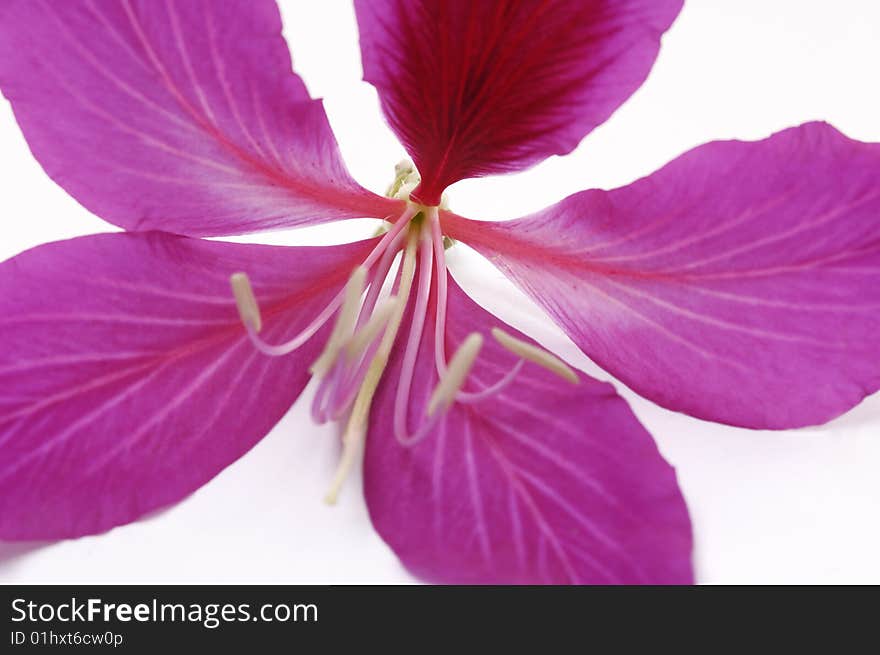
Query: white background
790	507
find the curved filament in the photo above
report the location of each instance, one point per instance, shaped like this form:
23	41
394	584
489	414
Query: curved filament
415	336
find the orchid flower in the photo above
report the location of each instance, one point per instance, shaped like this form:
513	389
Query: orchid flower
737	284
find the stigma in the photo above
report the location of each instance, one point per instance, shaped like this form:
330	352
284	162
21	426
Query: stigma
403	269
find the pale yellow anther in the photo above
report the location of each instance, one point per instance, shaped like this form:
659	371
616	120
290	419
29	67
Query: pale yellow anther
248	309
456	372
403	168
345	322
406	178
535	355
407	186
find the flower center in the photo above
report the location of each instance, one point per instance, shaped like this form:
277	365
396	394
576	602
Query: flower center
406	179
369	315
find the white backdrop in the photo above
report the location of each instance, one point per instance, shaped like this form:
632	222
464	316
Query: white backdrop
786	507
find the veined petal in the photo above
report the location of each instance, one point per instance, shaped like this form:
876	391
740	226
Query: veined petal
545	482
177	116
474	88
740	283
126	378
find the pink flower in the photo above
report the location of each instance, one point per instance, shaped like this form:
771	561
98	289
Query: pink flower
737	284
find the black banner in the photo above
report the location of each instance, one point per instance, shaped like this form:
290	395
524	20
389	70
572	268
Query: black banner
176	619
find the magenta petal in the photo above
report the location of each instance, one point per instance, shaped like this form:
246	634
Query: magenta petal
740	283
548	482
177	116
474	88
126	378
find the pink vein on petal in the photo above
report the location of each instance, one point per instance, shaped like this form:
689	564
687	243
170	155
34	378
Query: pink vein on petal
179	397
476	499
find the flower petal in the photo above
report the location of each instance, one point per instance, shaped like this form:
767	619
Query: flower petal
474	88
178	116
126	378
546	482
740	283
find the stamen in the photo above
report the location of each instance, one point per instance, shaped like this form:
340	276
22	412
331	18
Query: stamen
338	389
359	357
411	352
356	428
248	309
389	241
345	322
410	440
365	335
407	273
382	271
536	355
323	392
440	318
459	367
395	229
491	390
307	333
354	434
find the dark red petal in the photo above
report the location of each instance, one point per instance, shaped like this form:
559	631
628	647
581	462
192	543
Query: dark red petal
473	88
